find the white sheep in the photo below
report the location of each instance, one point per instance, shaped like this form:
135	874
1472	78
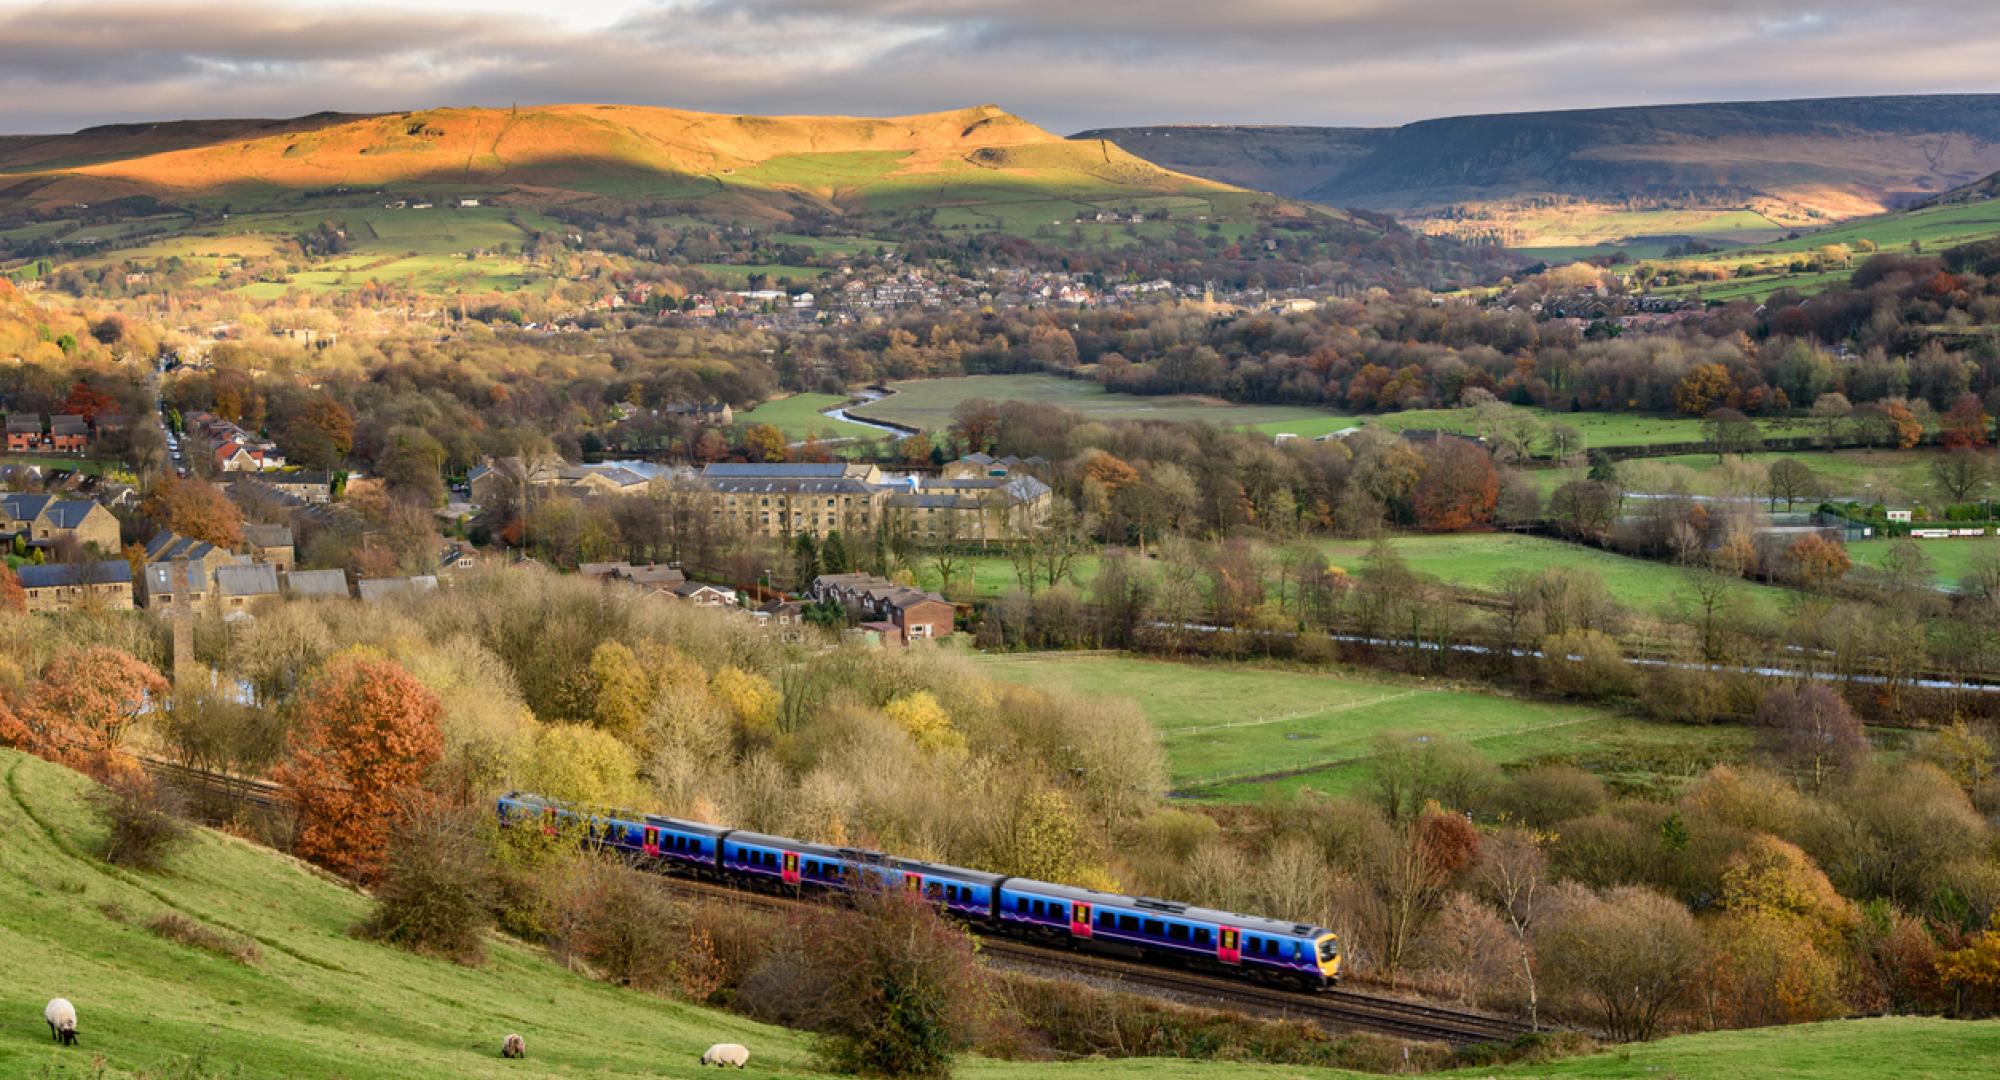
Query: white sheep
513	1046
61	1016
726	1054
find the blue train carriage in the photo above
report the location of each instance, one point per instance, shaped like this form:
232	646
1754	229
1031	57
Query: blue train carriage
1249	945
640	838
782	862
968	894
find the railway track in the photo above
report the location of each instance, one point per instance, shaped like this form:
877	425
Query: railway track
1337	1009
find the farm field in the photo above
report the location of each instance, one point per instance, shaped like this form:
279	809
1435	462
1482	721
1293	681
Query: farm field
928	403
1598	429
798	416
1895	476
1473	561
1479	561
1229	729
1935	229
1951	561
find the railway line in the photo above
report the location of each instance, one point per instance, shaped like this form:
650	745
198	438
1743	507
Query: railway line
1336	1009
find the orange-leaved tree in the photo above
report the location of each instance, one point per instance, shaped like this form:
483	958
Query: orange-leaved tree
12	596
195	509
78	709
365	735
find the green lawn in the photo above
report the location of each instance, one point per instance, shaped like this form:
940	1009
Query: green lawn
1229	728
798	416
1897	477
1951	561
59	461
1479	561
928	403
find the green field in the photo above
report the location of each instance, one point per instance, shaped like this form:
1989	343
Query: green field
1895	477
320	1003
1951	561
1241	732
928	403
1479	561
798	416
1932	229
1474	561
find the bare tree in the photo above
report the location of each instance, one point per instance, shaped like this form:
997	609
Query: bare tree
1513	873
1791	480
1959	472
1631	956
1813	731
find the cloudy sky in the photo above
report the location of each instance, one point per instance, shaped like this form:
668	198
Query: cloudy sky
1066	64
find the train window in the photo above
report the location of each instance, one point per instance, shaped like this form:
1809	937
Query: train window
1177	932
1040	908
1201	935
1020	905
1128	923
1059	912
1270	947
771	859
1156	928
1106	920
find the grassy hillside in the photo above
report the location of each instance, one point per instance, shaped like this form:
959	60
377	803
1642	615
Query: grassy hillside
749	167
1633	177
319	1003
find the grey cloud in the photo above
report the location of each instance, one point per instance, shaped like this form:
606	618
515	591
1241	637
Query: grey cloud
1064	63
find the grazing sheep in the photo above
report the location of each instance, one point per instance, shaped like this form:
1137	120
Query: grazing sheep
726	1054
61	1016
514	1047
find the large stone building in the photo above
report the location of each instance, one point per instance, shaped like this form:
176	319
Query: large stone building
785	500
48	520
104	585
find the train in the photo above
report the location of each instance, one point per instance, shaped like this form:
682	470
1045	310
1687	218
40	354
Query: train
1249	947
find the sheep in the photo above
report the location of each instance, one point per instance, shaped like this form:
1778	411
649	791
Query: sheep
726	1054
513	1046
61	1016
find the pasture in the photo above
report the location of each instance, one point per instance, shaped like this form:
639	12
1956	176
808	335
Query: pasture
1897	477
1479	562
1240	732
1951	562
798	416
1932	229
928	403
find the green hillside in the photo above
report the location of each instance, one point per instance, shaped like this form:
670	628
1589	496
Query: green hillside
317	1002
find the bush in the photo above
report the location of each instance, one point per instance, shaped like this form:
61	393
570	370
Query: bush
438	885
892	988
625	926
142	820
177	927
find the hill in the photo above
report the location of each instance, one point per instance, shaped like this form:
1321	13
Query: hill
320	1002
1288	161
1978	191
1738	171
750	167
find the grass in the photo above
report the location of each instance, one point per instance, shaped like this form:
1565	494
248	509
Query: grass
60	461
1898	477
1227	729
317	1002
1951	561
928	403
1932	229
798	416
1479	561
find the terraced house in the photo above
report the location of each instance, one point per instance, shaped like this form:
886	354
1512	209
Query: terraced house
47	521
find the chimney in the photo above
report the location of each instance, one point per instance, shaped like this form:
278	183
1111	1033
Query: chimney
183	618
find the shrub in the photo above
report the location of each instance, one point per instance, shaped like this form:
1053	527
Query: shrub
177	927
142	820
625	926
891	988
437	890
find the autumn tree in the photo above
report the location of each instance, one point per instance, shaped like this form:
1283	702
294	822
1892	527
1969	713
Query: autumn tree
195	509
975	423
1812	730
319	433
80	706
1459	487
364	736
1965	424
1584	508
12	596
1830	414
624	693
1414	875
1629	957
1816	561
764	442
1702	389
